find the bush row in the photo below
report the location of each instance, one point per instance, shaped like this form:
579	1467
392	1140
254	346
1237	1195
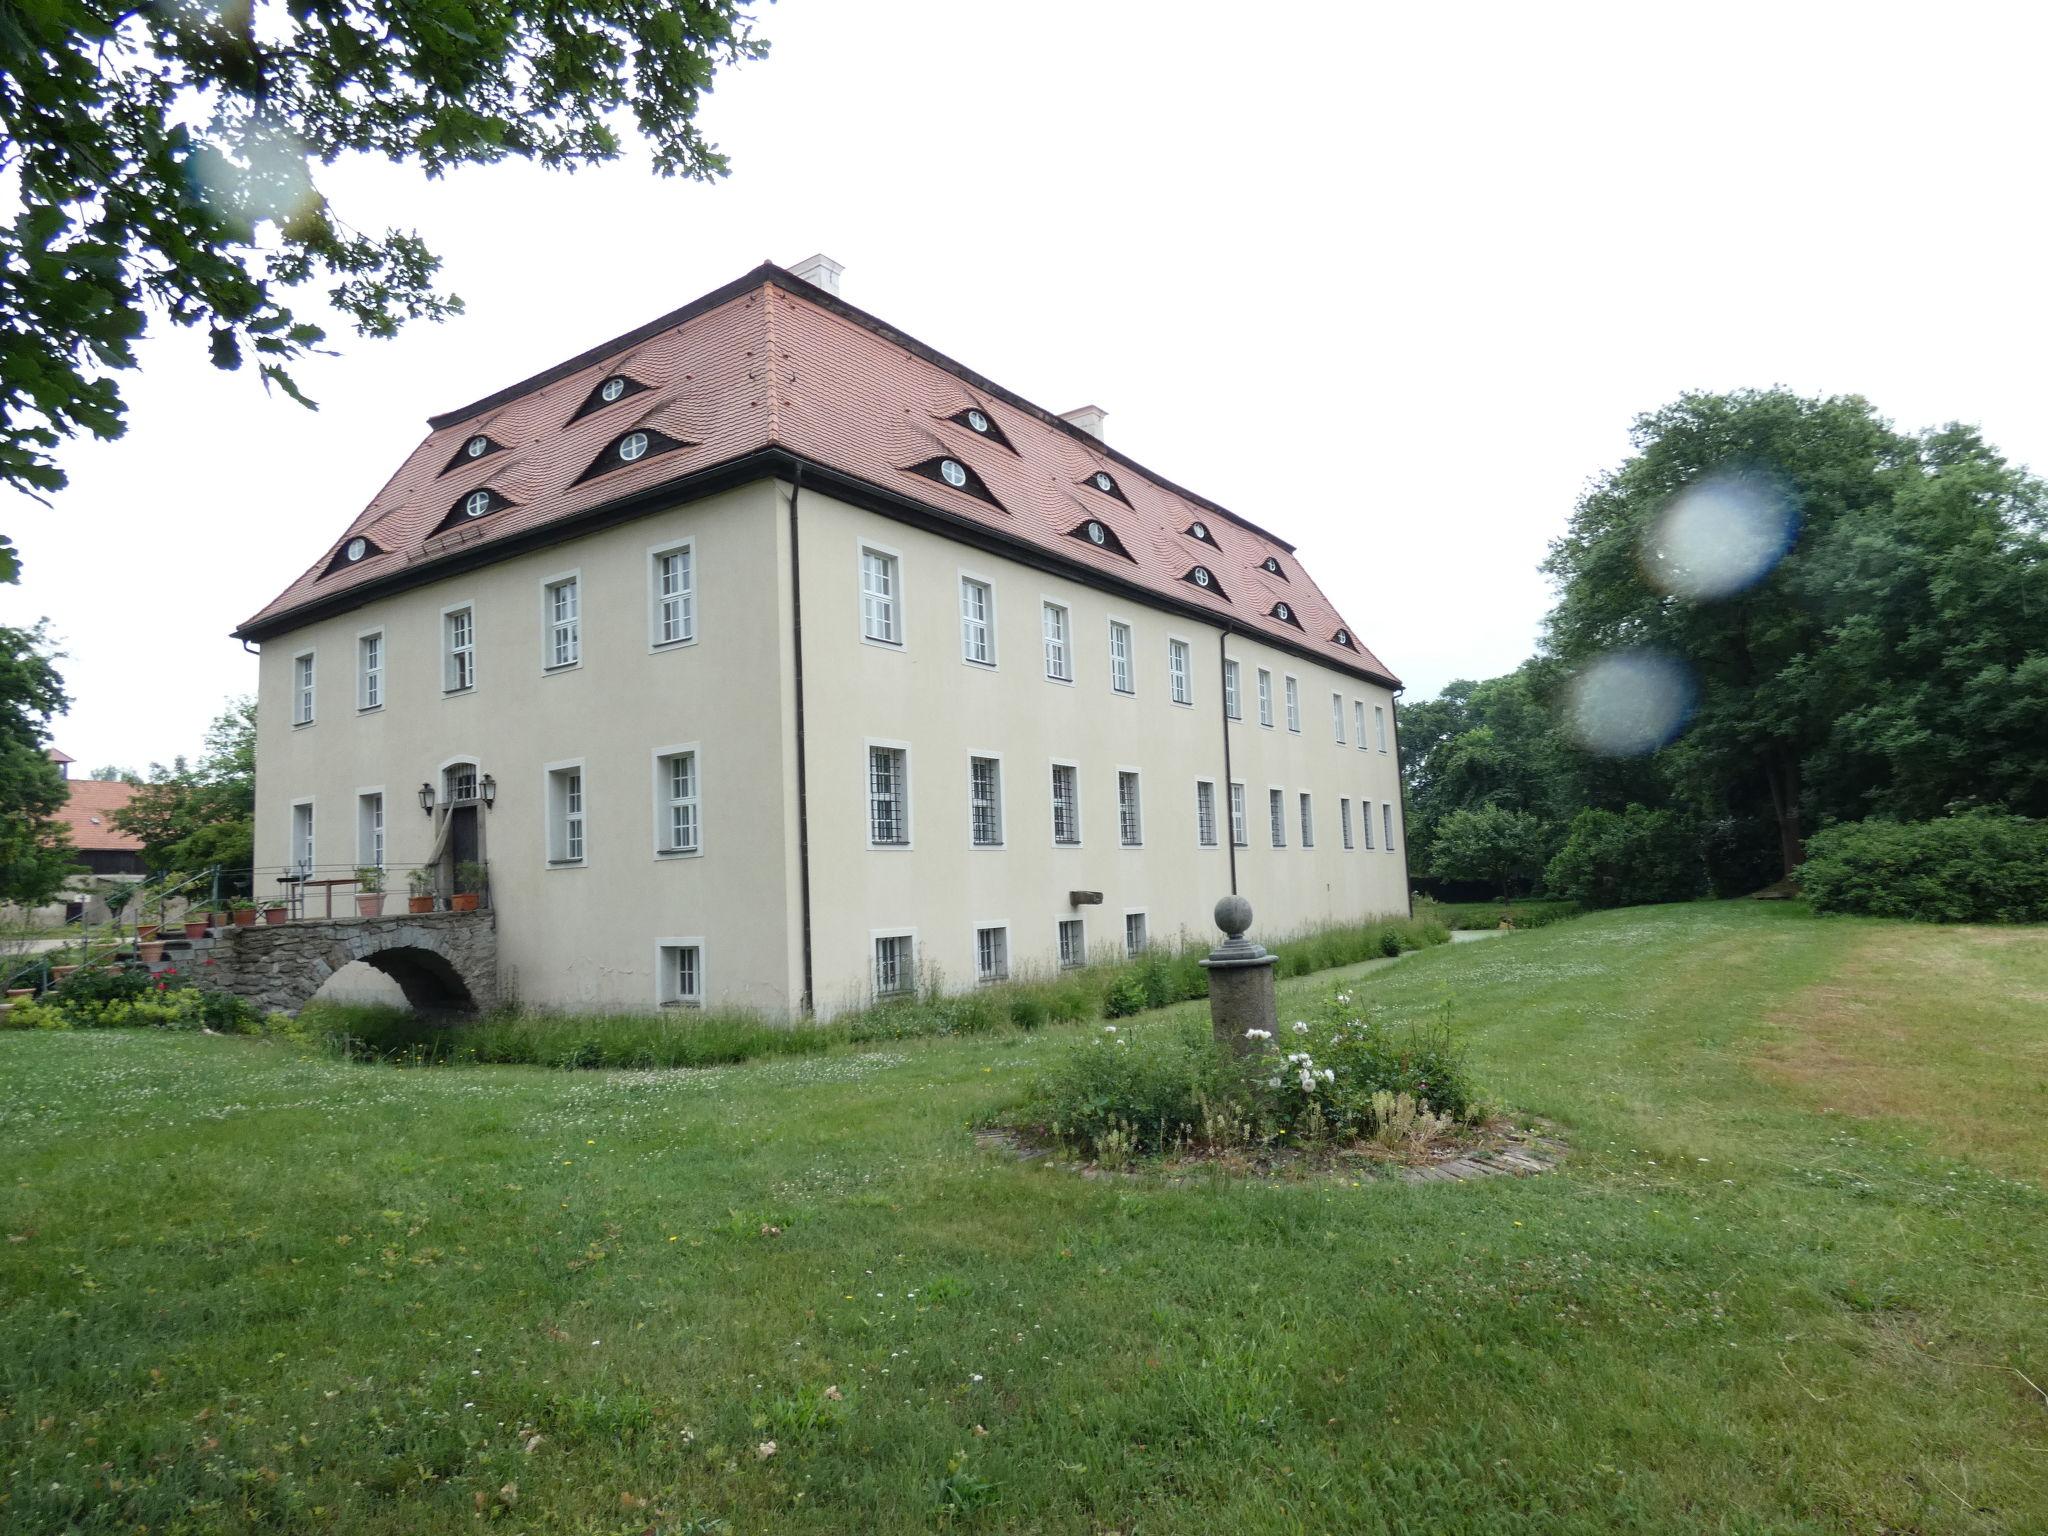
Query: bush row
128	999
1467	916
1982	867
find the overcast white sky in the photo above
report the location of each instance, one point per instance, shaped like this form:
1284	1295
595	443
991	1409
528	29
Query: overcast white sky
1390	280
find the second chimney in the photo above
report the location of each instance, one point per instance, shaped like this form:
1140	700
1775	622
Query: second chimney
1089	419
820	271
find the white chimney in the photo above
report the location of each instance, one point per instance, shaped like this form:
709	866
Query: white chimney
1089	419
820	271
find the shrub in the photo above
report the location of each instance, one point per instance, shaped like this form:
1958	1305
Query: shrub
1106	1092
125	999
1980	867
1627	859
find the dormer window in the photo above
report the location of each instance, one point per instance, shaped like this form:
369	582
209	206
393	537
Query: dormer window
1099	534
630	448
1271	567
1200	531
1103	483
1284	612
1201	576
473	448
357	548
977	421
476	503
476	447
955	475
981	424
609	392
1343	638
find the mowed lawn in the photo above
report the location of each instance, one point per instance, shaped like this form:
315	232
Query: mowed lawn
1793	1277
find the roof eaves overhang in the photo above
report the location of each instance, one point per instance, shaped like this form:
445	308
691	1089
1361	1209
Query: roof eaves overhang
776	463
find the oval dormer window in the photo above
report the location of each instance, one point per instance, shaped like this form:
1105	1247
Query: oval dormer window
1103	483
1097	534
632	446
1199	530
477	446
1202	576
611	389
357	548
953	472
978	421
1282	611
1343	638
476	503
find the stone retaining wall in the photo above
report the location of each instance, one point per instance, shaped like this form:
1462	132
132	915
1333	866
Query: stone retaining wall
440	959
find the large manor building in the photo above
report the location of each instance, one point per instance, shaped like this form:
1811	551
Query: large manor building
765	655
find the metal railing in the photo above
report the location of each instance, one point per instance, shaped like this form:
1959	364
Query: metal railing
304	885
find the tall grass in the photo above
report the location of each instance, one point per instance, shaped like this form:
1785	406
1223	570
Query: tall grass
1529	912
1164	974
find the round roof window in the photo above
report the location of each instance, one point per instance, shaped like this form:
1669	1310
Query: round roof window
476	504
632	446
476	446
611	389
1281	611
953	472
1097	534
1103	482
977	420
1342	638
1270	564
357	548
1199	530
1201	574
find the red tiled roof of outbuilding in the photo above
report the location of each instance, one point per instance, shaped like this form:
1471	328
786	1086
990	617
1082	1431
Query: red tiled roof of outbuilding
89	813
770	364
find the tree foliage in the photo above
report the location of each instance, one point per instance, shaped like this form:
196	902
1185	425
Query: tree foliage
1627	858
1491	843
36	856
190	817
162	158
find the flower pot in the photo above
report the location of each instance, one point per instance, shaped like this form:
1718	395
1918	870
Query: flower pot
16	993
145	931
371	905
462	901
245	918
195	928
59	972
152	951
419	903
273	915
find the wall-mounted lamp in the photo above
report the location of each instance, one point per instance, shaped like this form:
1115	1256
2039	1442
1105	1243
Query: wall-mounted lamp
487	790
427	798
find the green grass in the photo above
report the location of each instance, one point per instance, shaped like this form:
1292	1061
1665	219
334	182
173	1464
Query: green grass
1464	916
1787	1281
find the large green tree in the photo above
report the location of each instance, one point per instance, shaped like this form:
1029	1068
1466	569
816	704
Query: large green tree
1893	659
164	156
1492	843
36	856
190	817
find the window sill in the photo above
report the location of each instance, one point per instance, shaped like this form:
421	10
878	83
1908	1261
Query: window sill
369	709
682	1002
1064	682
568	863
987	847
679	853
671	645
458	693
889	847
882	645
562	666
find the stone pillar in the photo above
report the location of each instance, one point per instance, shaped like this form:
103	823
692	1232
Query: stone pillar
1240	982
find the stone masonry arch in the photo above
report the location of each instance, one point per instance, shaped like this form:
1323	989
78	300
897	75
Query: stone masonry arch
443	961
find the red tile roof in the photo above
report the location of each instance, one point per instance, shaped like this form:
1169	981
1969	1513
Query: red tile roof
770	369
89	815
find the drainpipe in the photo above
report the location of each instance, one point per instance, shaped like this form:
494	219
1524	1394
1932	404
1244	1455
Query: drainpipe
803	804
1223	703
1401	793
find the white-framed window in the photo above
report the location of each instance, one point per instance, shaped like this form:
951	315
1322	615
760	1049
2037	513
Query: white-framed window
1120	679
881	597
1308	821
888	795
1205	813
977	622
1233	703
370	670
1066	803
1379	721
1130	816
679	973
1337	716
992	954
1059	660
302	688
1276	816
1387	822
1134	934
1265	697
895	963
1240	824
1365	823
565	813
1294	705
458	649
672	594
302	836
678	802
985	801
1358	724
562	604
1344	818
370	828
1180	671
1073	943
458	780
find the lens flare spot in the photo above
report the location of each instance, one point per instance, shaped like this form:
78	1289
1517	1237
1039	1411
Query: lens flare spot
1628	703
1719	536
260	176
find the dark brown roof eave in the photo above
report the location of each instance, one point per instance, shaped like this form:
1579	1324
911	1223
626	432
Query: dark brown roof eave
773	463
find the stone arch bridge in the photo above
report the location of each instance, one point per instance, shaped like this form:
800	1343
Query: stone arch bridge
441	960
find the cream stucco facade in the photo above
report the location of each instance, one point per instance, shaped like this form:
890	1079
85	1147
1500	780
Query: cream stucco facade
587	932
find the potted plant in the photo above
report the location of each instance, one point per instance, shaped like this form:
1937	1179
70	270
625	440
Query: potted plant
152	950
196	924
242	912
421	884
469	885
369	891
273	911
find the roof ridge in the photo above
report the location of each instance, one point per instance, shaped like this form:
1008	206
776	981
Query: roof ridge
769	368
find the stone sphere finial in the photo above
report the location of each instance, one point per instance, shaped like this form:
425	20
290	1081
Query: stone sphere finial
1234	916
